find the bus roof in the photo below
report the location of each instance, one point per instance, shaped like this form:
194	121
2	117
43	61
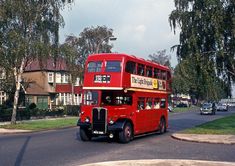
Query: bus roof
129	57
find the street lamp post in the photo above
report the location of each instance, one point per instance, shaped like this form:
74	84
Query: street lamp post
111	38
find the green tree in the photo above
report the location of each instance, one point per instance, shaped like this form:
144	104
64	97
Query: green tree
197	81
91	40
161	57
207	36
28	30
72	58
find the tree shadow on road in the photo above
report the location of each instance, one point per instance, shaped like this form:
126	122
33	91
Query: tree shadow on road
22	152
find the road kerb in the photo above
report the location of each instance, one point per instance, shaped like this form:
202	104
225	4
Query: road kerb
162	162
205	138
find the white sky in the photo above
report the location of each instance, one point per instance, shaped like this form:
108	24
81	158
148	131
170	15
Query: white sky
141	26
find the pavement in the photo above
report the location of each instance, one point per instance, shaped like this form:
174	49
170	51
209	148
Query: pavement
201	138
162	162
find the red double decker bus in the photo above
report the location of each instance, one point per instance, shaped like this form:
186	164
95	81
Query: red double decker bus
123	96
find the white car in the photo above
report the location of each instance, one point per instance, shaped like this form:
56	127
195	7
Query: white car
222	107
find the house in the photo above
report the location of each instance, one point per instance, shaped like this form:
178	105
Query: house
48	84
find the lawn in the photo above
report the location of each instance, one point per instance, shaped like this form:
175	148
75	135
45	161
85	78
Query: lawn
224	125
44	124
185	109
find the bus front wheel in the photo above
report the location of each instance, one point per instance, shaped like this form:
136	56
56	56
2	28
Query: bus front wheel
85	135
126	134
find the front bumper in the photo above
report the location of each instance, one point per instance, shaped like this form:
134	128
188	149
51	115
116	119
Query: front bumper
116	127
206	111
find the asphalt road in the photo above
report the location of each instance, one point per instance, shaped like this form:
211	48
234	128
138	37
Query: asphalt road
61	147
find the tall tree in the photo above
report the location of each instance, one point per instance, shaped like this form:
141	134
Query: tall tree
161	57
200	85
207	36
91	40
28	30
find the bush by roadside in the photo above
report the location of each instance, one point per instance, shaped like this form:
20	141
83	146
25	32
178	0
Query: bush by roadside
32	112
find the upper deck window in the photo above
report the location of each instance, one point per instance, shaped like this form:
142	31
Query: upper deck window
168	75
164	75
149	72
131	67
113	66
94	66
140	69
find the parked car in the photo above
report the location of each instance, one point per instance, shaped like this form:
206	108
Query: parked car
181	105
208	108
222	107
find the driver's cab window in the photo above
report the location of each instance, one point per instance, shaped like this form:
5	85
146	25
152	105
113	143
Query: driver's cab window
90	98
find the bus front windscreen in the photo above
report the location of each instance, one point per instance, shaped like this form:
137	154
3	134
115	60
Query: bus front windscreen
91	98
113	66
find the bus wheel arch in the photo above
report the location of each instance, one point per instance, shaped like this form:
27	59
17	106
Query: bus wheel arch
127	133
85	135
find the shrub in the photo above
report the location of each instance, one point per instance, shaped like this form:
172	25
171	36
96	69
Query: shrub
32	106
21	114
72	110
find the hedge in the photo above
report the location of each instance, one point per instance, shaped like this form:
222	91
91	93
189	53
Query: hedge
27	113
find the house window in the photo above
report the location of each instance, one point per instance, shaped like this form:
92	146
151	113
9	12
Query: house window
58	78
77	99
2	74
77	81
65	98
64	78
2	97
50	77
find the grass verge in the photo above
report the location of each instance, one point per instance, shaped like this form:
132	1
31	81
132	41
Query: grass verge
184	109
224	125
44	124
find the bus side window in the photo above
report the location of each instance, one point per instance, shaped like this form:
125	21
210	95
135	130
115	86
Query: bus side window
163	103
164	75
156	103
149	71
130	67
148	103
157	73
140	103
168	75
140	69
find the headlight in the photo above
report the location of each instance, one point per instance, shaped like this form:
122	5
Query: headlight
87	120
111	122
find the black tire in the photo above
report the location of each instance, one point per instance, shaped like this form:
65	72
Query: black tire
85	135
162	126
126	134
